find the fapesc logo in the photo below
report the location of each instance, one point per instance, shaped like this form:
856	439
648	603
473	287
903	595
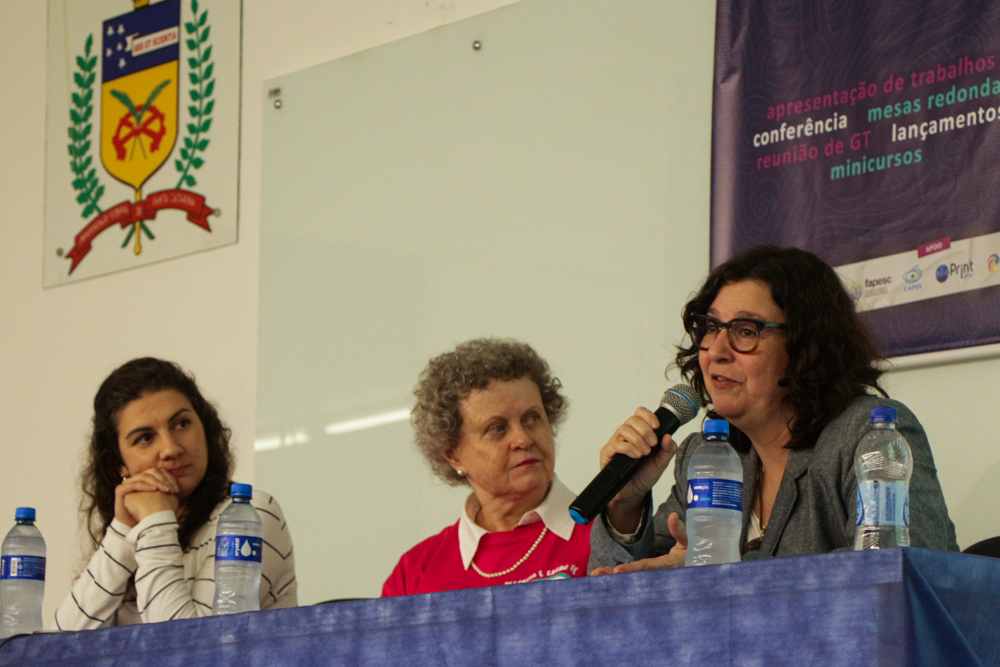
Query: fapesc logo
871	283
877	286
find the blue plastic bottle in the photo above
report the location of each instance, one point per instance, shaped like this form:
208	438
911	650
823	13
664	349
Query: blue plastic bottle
883	465
714	499
238	549
22	576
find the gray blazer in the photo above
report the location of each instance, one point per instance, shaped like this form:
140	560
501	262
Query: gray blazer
816	505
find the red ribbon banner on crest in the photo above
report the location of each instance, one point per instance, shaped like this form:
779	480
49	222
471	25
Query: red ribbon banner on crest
128	213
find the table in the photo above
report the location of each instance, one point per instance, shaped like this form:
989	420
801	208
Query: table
888	608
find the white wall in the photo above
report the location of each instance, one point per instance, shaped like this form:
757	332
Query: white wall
57	345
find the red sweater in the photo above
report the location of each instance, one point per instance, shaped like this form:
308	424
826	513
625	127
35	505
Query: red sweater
436	563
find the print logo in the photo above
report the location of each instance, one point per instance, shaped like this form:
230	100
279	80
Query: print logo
942	273
993	263
963	271
139	89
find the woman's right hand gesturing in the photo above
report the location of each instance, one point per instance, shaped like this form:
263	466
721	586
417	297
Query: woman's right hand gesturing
636	438
153	490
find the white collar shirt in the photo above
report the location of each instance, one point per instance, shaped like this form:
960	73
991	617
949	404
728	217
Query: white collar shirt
554	511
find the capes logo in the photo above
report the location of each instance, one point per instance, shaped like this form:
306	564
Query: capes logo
915	274
993	263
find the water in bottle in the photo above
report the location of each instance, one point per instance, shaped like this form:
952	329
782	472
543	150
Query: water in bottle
883	465
22	576
238	548
714	499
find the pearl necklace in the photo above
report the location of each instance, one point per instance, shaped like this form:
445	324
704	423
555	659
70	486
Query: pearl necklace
515	565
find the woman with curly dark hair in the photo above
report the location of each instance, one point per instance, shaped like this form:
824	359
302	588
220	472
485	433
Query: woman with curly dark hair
777	349
485	417
157	478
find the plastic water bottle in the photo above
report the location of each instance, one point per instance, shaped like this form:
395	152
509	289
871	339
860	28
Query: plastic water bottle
714	499
883	465
22	576
238	548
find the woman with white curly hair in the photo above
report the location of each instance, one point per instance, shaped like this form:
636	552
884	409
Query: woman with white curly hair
485	417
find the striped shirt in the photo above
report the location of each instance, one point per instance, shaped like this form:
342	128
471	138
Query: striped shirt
171	582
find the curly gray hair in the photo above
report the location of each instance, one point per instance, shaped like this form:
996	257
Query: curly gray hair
449	378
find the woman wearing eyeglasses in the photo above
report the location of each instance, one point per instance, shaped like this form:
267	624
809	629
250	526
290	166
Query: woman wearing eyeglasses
778	350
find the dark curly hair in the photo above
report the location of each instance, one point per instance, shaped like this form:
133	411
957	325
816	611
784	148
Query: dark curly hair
451	377
832	356
127	383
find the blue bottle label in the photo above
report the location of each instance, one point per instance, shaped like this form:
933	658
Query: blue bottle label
715	493
238	547
22	567
883	504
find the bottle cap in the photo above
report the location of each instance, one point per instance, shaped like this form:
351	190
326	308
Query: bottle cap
241	490
883	415
716	426
24	513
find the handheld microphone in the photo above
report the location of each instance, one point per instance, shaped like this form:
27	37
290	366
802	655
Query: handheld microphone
680	404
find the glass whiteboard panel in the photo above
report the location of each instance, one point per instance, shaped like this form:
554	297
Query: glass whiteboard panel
550	186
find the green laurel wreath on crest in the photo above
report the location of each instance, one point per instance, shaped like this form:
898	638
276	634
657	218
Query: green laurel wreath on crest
203	87
89	190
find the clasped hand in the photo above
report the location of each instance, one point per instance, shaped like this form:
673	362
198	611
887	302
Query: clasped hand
150	491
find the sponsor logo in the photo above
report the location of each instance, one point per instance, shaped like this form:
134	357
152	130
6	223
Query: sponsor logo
877	286
942	273
962	271
993	263
912	279
855	290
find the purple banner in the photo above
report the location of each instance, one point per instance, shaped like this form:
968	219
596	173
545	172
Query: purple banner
869	134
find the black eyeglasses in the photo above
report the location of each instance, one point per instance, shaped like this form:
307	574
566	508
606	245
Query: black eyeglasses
744	332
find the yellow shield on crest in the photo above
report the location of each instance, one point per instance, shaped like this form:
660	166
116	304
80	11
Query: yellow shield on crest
139	103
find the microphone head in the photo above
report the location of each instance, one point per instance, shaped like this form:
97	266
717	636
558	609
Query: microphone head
683	401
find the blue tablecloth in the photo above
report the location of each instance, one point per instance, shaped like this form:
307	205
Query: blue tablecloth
887	608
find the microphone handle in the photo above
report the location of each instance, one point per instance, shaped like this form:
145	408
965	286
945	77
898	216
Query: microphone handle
619	471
